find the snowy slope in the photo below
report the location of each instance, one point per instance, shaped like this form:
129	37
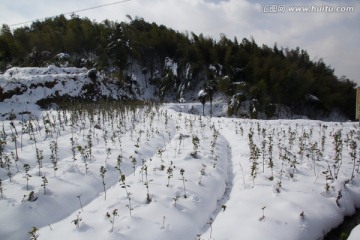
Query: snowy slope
29	85
226	190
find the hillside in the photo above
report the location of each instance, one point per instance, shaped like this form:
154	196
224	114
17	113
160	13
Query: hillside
258	81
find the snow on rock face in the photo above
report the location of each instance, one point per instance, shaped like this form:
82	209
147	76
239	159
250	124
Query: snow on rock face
171	65
29	85
202	93
62	56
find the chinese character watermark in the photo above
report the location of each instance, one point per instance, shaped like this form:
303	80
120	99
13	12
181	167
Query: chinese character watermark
278	8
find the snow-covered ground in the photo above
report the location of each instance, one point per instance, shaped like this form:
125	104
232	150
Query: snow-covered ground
29	84
174	175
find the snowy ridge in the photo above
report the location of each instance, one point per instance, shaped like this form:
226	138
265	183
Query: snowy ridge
29	85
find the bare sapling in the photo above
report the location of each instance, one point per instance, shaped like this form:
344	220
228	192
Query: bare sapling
27	175
33	233
128	193
77	220
111	218
102	175
182	171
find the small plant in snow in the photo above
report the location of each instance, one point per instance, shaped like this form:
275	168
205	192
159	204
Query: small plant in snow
2	149
213	143
142	169
128	193
133	161
85	154
90	144
323	139
263	151
278	185
292	137
301	147
73	149
163	222
182	171
118	164
31	197
148	199
338	144
54	158
79	197
137	145
327	185
8	165
160	152
302	215
14	137
44	183
198	237
170	174
338	197
210	222
27	175
262	218
202	173
108	153
353	151
176	198
111	218
102	175
180	140
1	190
271	162
254	155
195	142
34	235
77	220
39	159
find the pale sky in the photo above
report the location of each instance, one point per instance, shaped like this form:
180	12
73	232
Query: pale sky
332	36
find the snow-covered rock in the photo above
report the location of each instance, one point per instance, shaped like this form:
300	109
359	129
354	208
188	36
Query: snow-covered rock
29	85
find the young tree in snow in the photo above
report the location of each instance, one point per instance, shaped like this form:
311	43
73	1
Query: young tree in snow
77	220
102	175
210	90
1	190
34	233
44	184
39	158
202	96
54	155
112	218
183	179
128	193
27	175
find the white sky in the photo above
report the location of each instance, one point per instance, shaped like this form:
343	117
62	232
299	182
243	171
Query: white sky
332	36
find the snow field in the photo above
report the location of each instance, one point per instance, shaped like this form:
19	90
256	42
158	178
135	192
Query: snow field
141	134
302	208
233	184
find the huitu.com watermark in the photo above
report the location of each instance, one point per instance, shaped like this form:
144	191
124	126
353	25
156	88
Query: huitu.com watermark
278	8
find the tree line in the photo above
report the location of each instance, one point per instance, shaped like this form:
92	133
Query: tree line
264	75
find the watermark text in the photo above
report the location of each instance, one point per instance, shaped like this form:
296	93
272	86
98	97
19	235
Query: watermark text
281	8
